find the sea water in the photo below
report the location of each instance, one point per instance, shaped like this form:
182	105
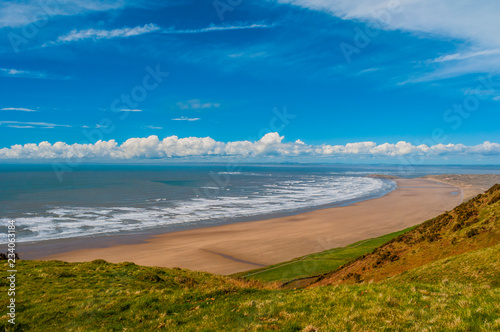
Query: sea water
100	200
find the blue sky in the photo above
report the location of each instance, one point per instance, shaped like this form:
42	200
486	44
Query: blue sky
378	72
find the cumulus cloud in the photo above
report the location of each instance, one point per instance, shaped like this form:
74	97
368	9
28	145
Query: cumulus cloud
270	144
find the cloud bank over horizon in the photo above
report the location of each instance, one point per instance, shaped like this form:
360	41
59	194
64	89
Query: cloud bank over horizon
269	145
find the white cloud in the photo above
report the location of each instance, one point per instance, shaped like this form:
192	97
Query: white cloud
21	73
462	56
476	24
196	104
77	35
183	118
154	127
20	127
20	109
21	12
213	28
44	125
97	34
12	72
270	144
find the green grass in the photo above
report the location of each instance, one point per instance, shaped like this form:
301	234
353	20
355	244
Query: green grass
319	263
57	296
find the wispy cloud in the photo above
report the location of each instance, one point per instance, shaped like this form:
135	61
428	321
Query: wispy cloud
214	28
183	118
463	56
130	110
43	125
262	54
195	104
77	35
12	72
17	13
369	70
125	32
154	127
20	109
474	25
20	127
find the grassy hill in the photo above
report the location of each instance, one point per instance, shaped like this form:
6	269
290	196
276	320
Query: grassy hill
441	275
470	226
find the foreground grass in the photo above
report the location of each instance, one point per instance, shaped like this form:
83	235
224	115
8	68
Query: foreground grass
314	264
99	296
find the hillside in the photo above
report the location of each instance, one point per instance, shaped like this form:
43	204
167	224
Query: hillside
442	275
470	226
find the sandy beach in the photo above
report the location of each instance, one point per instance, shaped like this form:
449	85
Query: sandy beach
243	246
471	184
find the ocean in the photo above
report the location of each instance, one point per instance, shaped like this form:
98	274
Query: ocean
103	200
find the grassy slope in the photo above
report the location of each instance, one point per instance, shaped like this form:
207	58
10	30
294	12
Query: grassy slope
470	226
476	267
56	296
450	289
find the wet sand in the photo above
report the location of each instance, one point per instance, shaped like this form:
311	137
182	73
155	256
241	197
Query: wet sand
243	246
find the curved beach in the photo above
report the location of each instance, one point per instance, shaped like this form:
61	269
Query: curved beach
243	246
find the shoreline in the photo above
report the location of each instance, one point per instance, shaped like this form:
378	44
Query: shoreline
44	248
237	247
